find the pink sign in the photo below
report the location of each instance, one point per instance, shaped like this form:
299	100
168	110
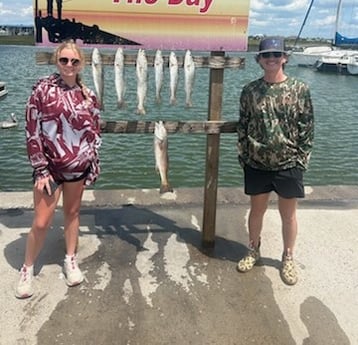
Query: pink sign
204	25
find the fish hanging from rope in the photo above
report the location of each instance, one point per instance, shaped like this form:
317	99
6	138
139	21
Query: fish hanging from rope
174	76
119	79
189	76
142	72
159	74
98	76
161	156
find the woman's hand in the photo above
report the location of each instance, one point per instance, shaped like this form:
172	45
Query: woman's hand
43	185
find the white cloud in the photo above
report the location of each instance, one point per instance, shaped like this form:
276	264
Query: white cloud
278	5
27	11
3	10
16	12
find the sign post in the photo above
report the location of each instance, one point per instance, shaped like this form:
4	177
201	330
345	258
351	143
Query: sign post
212	155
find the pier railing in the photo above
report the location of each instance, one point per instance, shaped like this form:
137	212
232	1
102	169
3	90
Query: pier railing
187	127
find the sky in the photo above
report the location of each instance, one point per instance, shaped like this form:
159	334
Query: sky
267	17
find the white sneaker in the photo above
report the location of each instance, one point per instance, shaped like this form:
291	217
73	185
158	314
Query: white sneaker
73	274
24	287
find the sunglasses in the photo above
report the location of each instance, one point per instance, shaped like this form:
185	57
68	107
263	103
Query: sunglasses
64	61
271	54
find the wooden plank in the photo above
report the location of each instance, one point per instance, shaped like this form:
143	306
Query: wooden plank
212	155
47	58
186	127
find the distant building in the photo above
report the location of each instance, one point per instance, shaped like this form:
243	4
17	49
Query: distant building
16	30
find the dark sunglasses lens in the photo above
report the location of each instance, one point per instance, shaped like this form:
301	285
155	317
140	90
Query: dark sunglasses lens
269	54
75	62
64	61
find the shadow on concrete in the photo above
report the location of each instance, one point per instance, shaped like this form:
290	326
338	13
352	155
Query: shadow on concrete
130	224
321	324
238	304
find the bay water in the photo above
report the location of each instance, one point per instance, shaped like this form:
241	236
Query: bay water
127	160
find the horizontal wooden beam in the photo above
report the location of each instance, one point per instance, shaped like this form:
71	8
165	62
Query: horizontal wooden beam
188	127
47	58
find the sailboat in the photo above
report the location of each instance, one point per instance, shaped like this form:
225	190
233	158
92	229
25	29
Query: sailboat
341	57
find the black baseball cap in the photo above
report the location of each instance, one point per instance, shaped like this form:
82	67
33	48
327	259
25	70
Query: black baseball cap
272	44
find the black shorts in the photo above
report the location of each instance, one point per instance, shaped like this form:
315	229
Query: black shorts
60	181
286	183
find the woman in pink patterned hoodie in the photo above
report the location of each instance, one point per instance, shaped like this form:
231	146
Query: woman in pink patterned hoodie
63	138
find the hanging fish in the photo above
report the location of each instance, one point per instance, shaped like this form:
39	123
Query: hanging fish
174	75
98	76
189	76
159	74
119	77
142	71
161	156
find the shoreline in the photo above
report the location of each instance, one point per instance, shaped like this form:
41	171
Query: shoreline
252	42
331	195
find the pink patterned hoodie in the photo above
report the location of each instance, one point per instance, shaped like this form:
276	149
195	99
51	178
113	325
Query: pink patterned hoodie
62	131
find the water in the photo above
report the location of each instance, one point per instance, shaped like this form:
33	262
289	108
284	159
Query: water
128	160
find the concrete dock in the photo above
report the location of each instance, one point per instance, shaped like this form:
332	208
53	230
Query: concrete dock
149	281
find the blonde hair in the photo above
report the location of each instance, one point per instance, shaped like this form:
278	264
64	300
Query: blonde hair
70	44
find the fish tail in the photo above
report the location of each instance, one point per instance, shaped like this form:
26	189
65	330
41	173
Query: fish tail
140	111
158	99
165	188
121	104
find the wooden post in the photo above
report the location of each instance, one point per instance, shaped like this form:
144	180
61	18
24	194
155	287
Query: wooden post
212	155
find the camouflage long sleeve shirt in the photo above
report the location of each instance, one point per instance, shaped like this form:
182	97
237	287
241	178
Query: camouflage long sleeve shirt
276	125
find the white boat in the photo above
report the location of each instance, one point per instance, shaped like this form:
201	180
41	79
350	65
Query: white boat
352	65
309	56
3	90
337	61
334	58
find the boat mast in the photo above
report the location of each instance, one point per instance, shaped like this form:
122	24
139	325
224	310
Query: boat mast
339	6
303	24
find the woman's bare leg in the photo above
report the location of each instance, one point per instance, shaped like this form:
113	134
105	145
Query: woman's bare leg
44	207
72	197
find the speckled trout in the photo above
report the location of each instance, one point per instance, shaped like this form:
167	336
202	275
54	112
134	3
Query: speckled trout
119	80
159	74
142	72
189	76
174	75
161	156
98	77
